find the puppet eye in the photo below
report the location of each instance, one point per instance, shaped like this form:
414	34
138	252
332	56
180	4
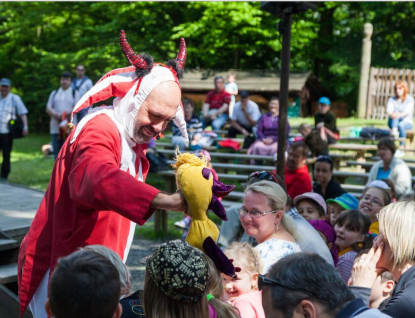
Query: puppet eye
206	173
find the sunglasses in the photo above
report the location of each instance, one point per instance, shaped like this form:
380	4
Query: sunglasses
264	281
263	175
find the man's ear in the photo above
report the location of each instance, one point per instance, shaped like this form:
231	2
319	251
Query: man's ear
118	311
388	287
306	309
48	309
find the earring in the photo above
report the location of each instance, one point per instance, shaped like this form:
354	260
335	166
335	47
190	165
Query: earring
277	227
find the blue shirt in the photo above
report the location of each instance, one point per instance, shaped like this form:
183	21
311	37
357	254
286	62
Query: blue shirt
382	174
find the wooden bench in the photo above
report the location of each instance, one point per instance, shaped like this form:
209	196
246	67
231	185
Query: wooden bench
360	150
409	144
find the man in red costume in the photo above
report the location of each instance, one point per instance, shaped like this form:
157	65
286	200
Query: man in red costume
97	193
297	177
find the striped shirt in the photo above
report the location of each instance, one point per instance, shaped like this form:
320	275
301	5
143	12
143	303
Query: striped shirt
345	265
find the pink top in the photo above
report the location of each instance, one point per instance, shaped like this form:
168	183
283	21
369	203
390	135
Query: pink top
250	305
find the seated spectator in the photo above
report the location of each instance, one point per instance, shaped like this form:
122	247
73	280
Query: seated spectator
325	184
352	229
193	124
267	142
232	88
383	287
304	285
400	109
262	216
325	122
390	167
312	139
308	239
297	177
176	282
311	206
393	251
374	198
336	206
242	291
245	116
215	108
327	232
84	284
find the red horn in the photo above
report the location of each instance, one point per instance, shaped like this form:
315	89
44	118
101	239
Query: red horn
129	53
181	56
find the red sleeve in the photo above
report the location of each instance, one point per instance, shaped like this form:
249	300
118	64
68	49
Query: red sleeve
96	179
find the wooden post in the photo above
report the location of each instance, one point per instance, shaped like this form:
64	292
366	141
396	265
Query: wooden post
364	70
285	74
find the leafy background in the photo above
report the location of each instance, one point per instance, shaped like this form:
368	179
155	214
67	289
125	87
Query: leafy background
38	40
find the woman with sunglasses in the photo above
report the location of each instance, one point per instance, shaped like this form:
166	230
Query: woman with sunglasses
262	217
400	109
324	183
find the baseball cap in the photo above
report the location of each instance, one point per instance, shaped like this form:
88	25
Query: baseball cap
317	198
324	100
244	94
5	82
346	201
179	270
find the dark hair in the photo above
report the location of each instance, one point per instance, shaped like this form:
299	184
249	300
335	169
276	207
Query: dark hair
388	143
173	64
358	222
217	77
391	185
301	144
324	158
84	284
188	101
307	276
274	98
66	74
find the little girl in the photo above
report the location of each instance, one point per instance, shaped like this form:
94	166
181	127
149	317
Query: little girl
242	291
311	206
352	227
327	233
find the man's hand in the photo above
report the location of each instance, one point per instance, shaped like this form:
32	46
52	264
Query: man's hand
320	125
172	202
25	131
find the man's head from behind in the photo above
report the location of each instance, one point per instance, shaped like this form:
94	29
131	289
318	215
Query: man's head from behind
297	155
303	285
66	79
84	284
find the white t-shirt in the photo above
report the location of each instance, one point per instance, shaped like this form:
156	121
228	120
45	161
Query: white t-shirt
10	107
239	116
407	106
63	100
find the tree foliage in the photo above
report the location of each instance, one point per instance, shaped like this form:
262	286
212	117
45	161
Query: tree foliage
41	39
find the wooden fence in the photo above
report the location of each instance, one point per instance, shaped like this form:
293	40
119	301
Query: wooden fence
381	83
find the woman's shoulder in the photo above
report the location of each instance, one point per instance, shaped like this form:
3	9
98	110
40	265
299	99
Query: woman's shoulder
278	243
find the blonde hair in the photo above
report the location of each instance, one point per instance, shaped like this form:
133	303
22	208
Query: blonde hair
215	288
397	223
245	255
277	199
116	260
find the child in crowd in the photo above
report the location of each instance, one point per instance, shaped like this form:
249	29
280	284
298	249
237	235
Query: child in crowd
327	232
242	291
232	88
311	206
216	294
185	222
176	282
382	288
374	197
336	206
312	139
84	284
352	229
325	121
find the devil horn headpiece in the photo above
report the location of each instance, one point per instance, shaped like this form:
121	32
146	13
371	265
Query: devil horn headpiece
129	53
181	56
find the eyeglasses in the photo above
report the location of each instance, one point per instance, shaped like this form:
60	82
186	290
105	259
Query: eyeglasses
254	214
373	201
264	281
263	175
